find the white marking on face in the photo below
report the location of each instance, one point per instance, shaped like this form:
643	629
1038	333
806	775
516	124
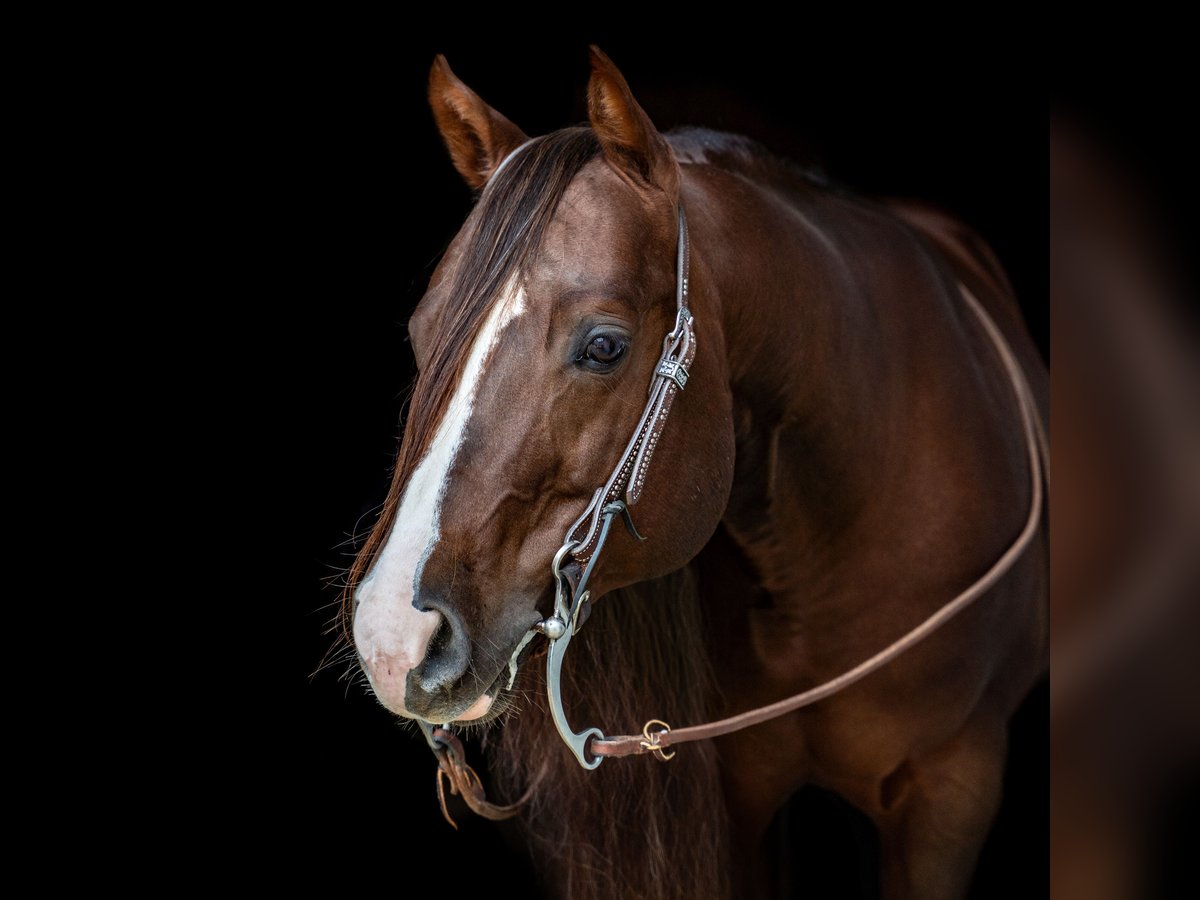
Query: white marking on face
389	632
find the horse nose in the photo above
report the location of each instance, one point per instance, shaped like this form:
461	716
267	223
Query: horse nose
449	652
391	636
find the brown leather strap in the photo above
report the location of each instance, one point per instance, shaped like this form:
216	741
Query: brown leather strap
452	767
654	740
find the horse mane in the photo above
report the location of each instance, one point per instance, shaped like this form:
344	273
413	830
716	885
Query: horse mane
746	156
506	228
632	827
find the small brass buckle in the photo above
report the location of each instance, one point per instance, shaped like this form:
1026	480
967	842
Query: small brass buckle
651	740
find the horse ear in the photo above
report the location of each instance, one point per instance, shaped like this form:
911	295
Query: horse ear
477	136
631	142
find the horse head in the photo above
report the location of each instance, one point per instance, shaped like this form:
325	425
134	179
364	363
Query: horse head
535	342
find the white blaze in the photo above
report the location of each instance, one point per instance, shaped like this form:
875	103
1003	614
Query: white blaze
390	633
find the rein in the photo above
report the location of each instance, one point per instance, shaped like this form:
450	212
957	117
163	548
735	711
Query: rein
654	741
586	538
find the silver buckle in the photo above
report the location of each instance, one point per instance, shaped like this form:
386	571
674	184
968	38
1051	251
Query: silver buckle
683	315
676	371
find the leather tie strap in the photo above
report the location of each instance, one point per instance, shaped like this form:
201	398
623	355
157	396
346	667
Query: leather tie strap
453	768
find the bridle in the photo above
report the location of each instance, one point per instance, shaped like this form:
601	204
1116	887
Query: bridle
586	538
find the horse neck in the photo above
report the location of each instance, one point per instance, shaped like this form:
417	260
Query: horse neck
832	311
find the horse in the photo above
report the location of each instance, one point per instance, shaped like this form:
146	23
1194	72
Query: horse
847	455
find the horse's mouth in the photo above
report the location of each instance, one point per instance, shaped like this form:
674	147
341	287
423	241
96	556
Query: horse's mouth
500	690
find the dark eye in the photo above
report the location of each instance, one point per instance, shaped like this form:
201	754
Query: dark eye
603	350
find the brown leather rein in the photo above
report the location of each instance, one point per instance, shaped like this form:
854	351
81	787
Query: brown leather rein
655	741
587	536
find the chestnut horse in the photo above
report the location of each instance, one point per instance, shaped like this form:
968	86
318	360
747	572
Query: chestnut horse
847	456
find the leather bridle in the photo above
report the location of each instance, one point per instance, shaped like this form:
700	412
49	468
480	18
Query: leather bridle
586	538
585	541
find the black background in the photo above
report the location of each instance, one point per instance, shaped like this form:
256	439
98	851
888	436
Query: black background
346	200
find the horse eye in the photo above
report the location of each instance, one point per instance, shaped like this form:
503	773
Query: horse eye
605	349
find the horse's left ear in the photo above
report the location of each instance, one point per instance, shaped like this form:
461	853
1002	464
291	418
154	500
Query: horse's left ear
631	143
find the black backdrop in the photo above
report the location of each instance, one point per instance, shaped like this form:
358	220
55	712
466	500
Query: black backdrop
347	200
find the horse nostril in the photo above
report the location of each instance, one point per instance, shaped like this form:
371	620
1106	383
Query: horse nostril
439	644
448	653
